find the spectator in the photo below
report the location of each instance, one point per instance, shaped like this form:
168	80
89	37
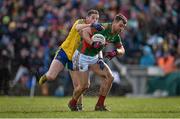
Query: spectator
167	63
4	71
147	59
30	25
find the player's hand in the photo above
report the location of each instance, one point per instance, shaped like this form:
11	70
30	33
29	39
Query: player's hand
97	26
110	55
97	44
101	63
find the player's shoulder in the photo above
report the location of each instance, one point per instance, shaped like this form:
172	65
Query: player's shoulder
106	24
118	37
80	21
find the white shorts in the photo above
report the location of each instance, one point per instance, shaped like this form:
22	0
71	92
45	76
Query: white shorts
81	62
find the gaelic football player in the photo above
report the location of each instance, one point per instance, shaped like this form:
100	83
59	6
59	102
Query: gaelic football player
86	58
66	50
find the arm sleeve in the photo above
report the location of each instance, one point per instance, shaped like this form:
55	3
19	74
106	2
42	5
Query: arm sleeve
76	22
118	41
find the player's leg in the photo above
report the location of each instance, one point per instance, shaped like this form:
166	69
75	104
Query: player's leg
83	85
106	75
79	63
107	79
76	82
56	66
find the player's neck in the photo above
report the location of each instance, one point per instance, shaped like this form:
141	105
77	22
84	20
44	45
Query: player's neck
113	32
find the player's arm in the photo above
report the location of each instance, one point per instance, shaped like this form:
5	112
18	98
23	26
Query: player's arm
79	25
119	47
96	26
82	26
105	25
118	51
86	35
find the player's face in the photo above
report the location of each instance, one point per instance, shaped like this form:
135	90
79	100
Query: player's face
118	26
92	18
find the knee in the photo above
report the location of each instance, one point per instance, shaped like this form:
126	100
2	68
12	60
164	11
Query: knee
110	78
75	84
83	88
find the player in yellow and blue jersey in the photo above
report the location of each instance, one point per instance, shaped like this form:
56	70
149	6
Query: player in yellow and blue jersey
66	50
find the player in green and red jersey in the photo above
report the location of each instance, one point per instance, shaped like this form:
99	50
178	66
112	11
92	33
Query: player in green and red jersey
86	58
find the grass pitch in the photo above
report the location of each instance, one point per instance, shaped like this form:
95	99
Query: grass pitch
52	107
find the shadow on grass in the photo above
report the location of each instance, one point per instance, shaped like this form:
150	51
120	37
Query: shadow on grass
89	111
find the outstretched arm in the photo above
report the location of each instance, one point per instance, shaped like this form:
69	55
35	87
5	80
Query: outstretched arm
118	51
82	26
96	26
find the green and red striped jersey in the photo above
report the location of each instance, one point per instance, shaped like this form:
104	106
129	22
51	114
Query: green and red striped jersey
87	49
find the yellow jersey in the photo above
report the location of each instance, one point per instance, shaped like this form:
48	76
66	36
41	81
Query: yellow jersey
72	41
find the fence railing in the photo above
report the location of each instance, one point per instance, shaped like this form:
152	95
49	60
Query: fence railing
137	75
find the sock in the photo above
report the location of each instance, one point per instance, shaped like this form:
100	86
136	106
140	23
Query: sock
101	100
73	102
43	79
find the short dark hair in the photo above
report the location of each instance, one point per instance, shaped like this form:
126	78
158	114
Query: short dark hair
119	17
92	11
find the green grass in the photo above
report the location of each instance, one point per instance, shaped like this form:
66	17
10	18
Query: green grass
120	107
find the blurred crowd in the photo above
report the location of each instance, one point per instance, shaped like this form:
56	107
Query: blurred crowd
32	30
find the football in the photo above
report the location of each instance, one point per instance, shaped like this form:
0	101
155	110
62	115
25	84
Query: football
99	38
